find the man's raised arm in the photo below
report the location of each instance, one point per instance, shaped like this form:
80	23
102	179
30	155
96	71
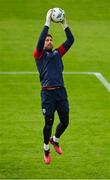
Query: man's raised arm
40	45
63	48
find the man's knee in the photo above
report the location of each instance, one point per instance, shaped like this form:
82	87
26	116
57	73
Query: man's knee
66	123
49	121
65	119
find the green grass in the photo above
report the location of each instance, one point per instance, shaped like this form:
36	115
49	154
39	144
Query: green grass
85	144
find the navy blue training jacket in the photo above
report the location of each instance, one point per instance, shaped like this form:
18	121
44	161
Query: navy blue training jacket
49	63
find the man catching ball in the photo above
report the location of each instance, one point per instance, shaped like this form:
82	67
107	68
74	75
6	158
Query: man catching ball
53	93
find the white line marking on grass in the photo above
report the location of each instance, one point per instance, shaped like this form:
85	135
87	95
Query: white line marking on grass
18	73
101	78
98	75
85	73
29	72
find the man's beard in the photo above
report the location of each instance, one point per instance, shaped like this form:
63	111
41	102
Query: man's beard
48	48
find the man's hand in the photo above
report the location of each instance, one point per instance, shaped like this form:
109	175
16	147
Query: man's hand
64	23
48	18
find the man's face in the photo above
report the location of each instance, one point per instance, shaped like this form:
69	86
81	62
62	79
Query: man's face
48	45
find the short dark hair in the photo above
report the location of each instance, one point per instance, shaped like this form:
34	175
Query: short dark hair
49	35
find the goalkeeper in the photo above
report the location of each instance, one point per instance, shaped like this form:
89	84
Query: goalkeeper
53	93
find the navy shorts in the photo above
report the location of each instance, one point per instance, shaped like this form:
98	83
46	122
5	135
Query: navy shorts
54	100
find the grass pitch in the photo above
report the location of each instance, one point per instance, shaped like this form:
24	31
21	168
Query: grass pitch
85	144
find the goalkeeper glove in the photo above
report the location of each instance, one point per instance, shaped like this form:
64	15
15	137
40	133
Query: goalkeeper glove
48	18
64	24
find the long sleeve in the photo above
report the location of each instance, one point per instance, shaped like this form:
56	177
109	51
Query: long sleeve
63	48
40	45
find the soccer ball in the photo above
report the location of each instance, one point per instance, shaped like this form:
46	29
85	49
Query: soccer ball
58	15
